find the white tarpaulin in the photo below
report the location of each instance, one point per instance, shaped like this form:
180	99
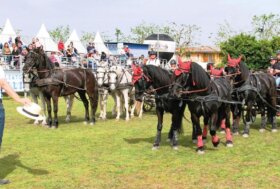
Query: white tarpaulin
7	32
99	44
76	43
46	40
161	43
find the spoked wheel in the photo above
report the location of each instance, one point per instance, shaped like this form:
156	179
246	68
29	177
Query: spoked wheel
147	107
252	116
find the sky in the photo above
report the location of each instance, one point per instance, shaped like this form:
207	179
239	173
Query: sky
106	15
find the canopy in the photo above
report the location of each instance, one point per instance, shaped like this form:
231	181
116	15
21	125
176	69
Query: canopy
46	40
8	31
161	43
76	43
99	44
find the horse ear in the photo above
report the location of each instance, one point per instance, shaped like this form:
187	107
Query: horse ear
228	57
239	59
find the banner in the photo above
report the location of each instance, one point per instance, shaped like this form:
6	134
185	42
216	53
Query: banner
15	79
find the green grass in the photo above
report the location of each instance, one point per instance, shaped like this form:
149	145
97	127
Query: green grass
117	154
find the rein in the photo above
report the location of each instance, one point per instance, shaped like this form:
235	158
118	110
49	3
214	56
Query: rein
194	91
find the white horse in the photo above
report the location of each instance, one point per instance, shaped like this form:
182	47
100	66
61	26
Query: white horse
120	82
103	91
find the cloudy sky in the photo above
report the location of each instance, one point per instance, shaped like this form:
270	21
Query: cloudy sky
106	15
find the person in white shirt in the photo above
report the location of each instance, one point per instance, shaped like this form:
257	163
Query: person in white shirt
8	90
153	60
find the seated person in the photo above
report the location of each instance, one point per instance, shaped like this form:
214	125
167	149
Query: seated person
275	69
153	60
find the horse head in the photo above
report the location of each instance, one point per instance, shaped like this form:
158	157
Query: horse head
180	83
141	82
33	59
233	65
101	76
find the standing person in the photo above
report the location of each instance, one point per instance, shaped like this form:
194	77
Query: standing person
153	60
275	68
61	47
6	52
8	89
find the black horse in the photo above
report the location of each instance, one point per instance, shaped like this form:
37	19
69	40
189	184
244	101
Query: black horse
256	90
205	97
160	80
55	82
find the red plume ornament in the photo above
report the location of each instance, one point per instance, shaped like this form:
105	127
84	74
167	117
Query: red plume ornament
233	62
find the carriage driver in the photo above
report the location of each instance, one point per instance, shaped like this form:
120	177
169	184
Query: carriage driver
275	68
153	60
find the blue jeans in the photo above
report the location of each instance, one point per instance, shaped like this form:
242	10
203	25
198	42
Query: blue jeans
2	122
277	78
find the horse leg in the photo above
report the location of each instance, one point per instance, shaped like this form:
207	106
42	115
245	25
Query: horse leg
55	110
34	98
118	100
159	112
198	132
248	119
223	126
93	99
49	108
236	114
126	103
263	119
82	95
213	127
227	130
43	105
141	109
114	110
69	104
205	128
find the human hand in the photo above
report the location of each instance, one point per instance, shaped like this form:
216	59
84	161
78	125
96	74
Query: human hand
25	101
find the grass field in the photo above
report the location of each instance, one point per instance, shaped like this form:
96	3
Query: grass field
117	154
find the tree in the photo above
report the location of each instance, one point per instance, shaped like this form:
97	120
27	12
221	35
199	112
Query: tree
117	34
183	35
142	31
60	32
87	37
255	52
266	26
275	43
224	33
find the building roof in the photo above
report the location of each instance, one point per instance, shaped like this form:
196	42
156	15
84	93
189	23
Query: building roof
203	49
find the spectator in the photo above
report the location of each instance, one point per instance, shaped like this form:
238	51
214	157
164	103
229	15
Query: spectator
126	50
6	52
129	61
173	65
30	47
15	54
19	45
60	46
103	56
90	48
24	51
96	56
69	53
54	59
10	41
18	40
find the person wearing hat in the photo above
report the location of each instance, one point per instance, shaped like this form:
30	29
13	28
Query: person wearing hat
275	68
153	60
8	89
173	65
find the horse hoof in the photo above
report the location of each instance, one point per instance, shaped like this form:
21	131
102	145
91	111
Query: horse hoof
53	127
200	150
175	147
85	122
36	122
155	148
92	123
273	130
222	131
194	141
235	133
168	140
229	144
261	130
245	135
216	144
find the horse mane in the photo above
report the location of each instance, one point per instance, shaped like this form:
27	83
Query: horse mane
49	64
200	77
158	75
245	72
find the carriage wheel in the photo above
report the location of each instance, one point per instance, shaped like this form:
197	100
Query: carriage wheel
252	118
147	107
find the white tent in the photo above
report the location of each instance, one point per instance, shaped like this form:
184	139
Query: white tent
46	40
76	43
99	44
7	32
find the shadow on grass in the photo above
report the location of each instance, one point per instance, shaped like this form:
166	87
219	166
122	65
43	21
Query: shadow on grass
10	162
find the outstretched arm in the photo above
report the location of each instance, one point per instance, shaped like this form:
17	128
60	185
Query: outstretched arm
8	89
